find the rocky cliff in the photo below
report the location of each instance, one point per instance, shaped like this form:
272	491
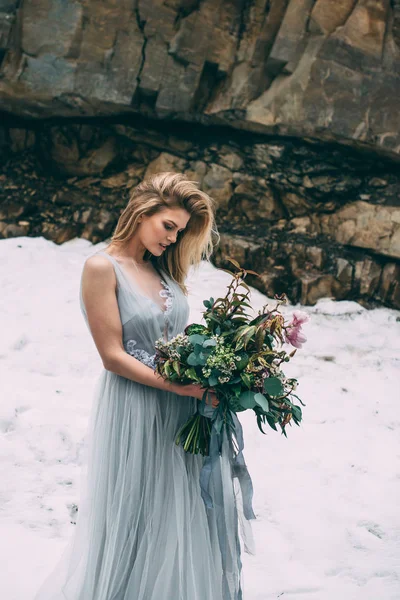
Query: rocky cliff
286	111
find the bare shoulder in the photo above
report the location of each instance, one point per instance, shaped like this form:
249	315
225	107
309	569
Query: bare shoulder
98	269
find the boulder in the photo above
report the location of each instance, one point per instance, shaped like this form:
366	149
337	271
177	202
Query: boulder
314	69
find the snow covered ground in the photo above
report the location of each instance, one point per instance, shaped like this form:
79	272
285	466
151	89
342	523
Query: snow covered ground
327	498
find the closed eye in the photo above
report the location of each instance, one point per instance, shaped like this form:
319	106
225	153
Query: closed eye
169	228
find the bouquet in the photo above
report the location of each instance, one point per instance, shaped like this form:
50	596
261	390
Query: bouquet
238	357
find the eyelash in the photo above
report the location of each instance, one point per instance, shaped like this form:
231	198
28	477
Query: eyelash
169	228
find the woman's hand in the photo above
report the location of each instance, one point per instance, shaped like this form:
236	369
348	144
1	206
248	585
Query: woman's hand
196	391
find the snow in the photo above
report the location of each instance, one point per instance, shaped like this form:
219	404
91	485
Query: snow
326	498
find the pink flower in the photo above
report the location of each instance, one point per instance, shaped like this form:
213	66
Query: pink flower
293	333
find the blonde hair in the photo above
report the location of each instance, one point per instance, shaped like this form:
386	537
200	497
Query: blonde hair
195	243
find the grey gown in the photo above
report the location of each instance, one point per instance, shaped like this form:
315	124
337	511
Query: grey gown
143	530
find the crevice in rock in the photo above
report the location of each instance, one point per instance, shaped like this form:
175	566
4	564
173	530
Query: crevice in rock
186	10
12	37
208	80
355	2
244	11
395	4
141	25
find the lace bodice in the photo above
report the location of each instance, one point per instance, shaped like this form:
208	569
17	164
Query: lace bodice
140	354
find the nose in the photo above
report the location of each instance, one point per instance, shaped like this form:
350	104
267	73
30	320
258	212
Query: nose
172	238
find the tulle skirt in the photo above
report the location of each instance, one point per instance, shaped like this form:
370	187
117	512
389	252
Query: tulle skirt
143	531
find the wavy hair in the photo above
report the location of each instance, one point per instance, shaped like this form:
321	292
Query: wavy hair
194	244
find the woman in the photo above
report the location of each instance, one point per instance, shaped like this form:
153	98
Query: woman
143	530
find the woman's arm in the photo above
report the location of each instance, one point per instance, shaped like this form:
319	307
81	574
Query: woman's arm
99	296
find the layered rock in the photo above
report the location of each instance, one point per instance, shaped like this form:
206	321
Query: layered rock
315	68
313	220
285	111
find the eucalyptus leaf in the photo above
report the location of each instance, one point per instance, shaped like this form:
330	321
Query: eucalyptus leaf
202	358
273	386
209	342
262	401
247	399
212	380
192	360
196	338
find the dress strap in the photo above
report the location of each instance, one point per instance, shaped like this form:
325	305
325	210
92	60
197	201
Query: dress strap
110	258
166	292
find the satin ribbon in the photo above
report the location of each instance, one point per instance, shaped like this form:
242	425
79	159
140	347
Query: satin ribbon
211	466
238	465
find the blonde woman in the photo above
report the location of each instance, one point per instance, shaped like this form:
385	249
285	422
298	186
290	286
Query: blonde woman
143	531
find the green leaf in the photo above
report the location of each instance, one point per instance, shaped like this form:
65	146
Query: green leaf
191	373
269	340
192	360
296	412
262	401
196	338
259	425
212	380
238	320
246	379
212	317
273	386
244	359
197	348
247	399
195	328
209	342
207	303
202	358
239	345
248	335
260	335
271	422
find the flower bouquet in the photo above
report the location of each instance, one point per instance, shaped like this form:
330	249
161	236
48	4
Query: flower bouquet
238	357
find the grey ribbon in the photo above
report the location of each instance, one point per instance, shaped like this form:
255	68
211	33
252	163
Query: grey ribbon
239	468
211	465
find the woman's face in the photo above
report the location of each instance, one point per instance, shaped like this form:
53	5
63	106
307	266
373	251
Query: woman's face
158	231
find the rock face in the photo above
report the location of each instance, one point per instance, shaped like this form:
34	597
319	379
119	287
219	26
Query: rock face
313	221
317	68
285	111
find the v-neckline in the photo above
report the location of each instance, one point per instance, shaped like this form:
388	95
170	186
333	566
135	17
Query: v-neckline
133	284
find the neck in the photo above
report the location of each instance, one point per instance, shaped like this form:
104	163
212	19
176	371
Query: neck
130	252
